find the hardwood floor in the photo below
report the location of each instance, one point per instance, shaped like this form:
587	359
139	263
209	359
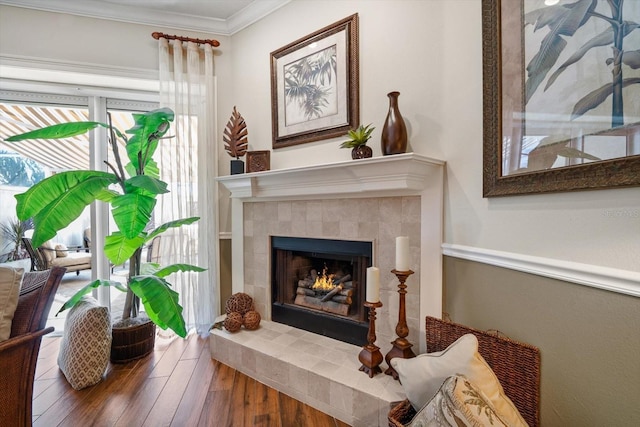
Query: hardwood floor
178	385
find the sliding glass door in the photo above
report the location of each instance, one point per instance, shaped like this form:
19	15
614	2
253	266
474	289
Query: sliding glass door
22	164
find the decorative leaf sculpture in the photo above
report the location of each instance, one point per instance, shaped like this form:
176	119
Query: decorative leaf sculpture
235	135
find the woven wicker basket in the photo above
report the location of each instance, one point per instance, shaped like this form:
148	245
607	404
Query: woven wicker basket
132	342
517	366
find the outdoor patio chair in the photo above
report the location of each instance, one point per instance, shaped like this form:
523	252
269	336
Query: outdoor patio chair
47	256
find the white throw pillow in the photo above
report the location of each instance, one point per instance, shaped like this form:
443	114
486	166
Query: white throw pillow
61	250
10	279
49	250
422	376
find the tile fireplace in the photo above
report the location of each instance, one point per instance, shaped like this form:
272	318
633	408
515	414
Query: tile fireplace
368	201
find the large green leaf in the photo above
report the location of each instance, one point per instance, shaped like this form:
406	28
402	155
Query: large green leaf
171	224
174	268
85	290
152	185
58	200
130	169
132	213
148	128
41	194
119	249
160	302
151	169
149	268
106	195
62	130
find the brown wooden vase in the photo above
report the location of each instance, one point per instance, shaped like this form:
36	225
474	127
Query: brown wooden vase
394	132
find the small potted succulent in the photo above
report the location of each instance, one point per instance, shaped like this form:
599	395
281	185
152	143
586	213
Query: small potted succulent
358	142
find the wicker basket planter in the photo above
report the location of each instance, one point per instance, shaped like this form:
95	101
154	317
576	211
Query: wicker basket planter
132	342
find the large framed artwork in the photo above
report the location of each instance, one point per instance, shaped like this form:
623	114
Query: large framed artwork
561	86
314	85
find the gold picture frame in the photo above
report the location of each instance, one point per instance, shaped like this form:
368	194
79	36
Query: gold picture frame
503	98
313	103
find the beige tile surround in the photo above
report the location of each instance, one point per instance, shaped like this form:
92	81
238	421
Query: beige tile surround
378	220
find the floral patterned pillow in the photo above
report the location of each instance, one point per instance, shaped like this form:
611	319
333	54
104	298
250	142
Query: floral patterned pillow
458	403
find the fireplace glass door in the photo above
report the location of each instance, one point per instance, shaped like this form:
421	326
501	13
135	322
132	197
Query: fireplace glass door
319	285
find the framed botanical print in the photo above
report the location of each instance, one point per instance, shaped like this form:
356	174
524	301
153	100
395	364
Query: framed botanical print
314	85
561	95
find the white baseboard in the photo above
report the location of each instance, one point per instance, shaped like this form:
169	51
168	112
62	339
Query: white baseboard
610	279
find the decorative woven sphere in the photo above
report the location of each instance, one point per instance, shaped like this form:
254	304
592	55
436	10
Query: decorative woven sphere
239	303
251	320
233	322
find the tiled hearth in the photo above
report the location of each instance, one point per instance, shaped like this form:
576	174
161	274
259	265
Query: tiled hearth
372	200
316	370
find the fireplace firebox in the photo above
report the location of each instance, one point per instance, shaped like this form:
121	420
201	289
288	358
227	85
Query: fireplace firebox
319	285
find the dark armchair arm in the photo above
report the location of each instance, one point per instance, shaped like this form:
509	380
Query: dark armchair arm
20	340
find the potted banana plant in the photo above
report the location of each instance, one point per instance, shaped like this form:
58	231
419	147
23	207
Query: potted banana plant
131	189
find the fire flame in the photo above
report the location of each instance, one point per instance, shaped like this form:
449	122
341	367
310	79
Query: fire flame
324	282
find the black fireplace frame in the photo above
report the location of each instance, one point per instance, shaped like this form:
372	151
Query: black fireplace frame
351	330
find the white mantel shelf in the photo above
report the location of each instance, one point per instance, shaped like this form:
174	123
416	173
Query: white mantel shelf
397	175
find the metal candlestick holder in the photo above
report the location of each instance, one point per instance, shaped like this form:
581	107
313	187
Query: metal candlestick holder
370	355
401	346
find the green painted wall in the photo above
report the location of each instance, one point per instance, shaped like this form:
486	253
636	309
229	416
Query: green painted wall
589	338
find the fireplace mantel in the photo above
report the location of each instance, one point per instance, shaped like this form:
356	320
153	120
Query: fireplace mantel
398	175
407	174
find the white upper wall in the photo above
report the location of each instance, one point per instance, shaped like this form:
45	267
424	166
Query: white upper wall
431	52
428	50
83	47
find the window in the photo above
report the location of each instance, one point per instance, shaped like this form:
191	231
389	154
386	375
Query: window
24	163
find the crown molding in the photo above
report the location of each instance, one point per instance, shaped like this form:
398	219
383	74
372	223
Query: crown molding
35	74
252	13
138	15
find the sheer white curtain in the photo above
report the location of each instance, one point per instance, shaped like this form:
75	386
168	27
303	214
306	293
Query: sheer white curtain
188	163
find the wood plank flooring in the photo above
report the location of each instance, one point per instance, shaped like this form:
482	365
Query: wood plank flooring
177	385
